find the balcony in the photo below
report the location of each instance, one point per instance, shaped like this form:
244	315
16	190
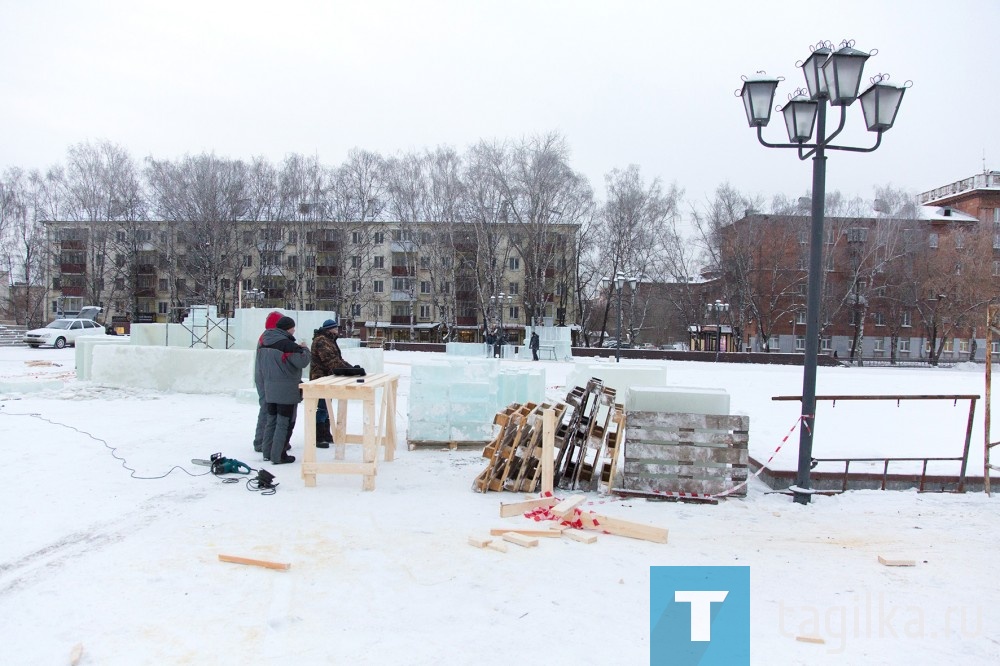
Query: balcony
328	271
403	271
550	272
72	291
328	246
74	245
146	269
145	292
327	294
399	319
75	269
467	321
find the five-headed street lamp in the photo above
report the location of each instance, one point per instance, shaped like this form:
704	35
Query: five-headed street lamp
619	283
833	79
499	300
255	296
718	307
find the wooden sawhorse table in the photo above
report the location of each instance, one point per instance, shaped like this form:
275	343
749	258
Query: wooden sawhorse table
380	387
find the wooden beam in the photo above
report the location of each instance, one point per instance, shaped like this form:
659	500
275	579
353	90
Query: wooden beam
627	528
568	505
581	536
479	542
518	508
520	539
534	532
498	546
284	566
548	447
810	639
896	563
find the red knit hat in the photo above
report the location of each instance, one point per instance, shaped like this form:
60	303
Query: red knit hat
272	319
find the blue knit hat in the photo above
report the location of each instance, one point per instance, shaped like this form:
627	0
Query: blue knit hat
330	323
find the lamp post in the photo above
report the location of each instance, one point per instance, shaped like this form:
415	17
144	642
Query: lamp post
499	300
832	79
718	307
255	296
618	282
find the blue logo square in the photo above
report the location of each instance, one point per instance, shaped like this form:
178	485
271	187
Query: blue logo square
699	616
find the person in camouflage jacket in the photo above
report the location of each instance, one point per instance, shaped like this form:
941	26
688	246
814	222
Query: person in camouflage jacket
326	358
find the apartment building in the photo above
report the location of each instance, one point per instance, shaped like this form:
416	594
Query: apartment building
402	281
908	286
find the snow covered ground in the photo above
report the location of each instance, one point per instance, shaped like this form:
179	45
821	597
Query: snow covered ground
126	563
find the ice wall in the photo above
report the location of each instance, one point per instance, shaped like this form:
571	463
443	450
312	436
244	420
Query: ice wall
456	399
172	369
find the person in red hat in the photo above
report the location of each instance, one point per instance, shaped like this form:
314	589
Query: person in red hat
258	380
281	361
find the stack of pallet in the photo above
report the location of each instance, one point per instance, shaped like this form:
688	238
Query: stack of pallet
589	427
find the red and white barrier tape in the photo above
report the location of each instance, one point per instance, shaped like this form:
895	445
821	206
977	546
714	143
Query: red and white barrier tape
545	514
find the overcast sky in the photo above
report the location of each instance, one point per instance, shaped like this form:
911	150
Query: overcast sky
647	83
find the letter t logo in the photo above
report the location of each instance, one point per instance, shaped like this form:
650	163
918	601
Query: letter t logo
701	610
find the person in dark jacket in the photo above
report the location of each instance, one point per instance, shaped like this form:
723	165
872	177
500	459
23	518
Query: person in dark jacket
281	361
258	380
533	345
326	358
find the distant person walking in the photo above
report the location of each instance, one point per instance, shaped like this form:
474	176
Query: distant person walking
533	345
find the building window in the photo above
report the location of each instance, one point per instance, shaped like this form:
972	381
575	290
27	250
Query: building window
879	319
515	288
932	240
879	346
162	307
425	287
959	241
963	346
857	235
800	317
514	263
248	261
356	237
293	261
400	284
800	343
515	313
803	288
164	285
379	237
425	312
378	287
949	347
445	288
378	261
772	343
356	310
825	343
425	262
803	238
995	346
560	289
996	267
904	346
355	286
356	261
907	320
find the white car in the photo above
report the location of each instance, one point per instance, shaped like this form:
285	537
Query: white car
62	332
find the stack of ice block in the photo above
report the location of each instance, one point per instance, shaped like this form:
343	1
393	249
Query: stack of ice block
456	399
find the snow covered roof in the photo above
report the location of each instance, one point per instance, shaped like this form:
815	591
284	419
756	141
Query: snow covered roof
944	214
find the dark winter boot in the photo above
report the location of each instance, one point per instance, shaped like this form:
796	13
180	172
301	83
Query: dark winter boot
323	436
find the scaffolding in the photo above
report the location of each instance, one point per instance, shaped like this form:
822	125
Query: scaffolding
200	323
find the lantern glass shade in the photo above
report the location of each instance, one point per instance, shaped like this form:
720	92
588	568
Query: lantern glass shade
800	116
619	281
880	104
758	96
812	68
843	75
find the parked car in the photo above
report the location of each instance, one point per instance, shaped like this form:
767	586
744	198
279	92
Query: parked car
611	344
62	332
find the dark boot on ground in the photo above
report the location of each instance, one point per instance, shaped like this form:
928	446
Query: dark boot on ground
323	436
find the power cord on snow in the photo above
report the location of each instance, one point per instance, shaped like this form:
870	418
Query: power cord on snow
263	482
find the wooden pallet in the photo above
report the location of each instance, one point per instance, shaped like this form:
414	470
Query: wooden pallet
412	444
704	454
